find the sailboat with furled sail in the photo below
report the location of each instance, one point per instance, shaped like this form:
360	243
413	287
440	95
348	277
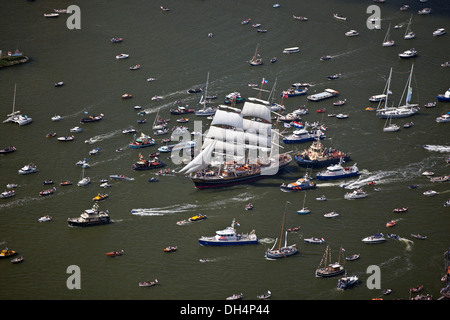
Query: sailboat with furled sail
409	34
282	251
205	111
239	147
387	42
256	60
326	269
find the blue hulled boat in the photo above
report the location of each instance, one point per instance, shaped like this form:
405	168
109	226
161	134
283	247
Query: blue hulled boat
304	183
444	97
302	135
229	237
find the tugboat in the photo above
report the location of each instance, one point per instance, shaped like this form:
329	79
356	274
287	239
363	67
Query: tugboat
229	237
90	217
304	183
317	156
144	164
142	142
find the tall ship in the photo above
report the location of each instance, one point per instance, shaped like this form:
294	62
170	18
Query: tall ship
239	147
317	156
90	217
229	237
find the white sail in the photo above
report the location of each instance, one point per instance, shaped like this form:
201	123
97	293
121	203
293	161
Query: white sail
251	109
201	161
227	118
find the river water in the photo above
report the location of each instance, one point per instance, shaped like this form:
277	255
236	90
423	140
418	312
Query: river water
174	48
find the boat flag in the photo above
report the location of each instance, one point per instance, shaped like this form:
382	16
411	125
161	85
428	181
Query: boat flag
238	224
287	125
285	95
343	249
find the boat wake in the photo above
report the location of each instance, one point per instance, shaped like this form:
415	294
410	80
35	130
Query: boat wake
103	136
163	210
437	148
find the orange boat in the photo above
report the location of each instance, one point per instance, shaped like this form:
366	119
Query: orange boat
390	223
114	253
170	249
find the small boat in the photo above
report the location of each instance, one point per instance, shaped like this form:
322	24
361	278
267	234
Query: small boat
393	236
439	32
273	60
408	124
66	138
8	150
122	56
194	90
378	98
249	206
340	102
353	257
181	110
100	197
334	76
164	8
47	182
197	217
430	105
17	260
6	253
120	177
424	11
342	116
376	238
45	218
408	54
355	194
57	117
29	168
135	67
347	282
416	289
66	183
235	296
153	179
339	17
92	118
404	7
430	193
59	84
127	96
51	15
76	129
94	151
325	58
183	120
291	50
351	33
304	183
148	283
256	60
303	135
387	291
170	249
264	296
301	18
116	40
428	173
399	210
47	192
12	185
444	118
314	240
321	198
331	214
246	21
7	194
304	210
391	223
418	236
114	253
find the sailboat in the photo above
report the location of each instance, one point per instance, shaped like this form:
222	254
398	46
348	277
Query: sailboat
304	210
205	112
387	42
408	33
239	147
402	111
256	60
329	270
15	116
285	251
389	126
84	180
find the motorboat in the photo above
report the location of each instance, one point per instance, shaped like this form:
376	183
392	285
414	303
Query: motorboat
127	96
147	164
355	194
76	129
90	217
235	296
142	142
129	130
148	283
57	117
327	93
340	102
47	192
122	56
294	92
115	253
94	151
301	184
66	183
376	238
314	240
444	97
66	138
264	296
430	193
439	32
301	18
116	40
135	67
229	237
443	118
6	253
321	198
249	206
339	17
303	135
425	11
29	168
332	214
100	197
353	257
45	218
337	171
378	98
181	110
197	217
351	33
347	282
334	76
400	210
8	149
120	177
92	118
7	194
411	53
170	249
291	50
391	223
17	260
341	116
325	58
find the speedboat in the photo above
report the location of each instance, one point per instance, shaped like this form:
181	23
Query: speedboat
376	238
325	58
347	282
84	182
408	54
339	17
430	193
45	218
100	196
47	192
443	118
229	237
8	149
439	32
352	33
332	214
116	40
314	240
355	194
122	56
321	198
444	97
148	283
76	129
6	253
425	11
7	194
197	217
29	168
337	171
66	138
57	117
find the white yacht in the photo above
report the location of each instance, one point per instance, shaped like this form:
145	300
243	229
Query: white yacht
352	33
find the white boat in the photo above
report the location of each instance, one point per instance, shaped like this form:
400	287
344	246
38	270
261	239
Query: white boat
94	151
439	32
7	194
57	118
84	181
122	56
256	60
229	237
355	194
303	135
337	171
304	210
76	129
327	93
314	240
51	15
430	193
66	138
378	98
409	34
376	238
444	118
351	33
339	17
388	42
332	214
321	198
291	50
45	218
390	127
15	116
29	168
347	282
205	111
425	11
341	116
411	53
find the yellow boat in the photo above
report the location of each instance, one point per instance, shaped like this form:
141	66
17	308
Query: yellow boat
197	217
100	196
6	253
370	108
